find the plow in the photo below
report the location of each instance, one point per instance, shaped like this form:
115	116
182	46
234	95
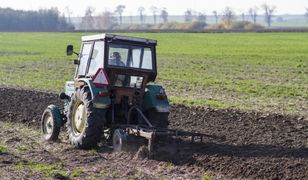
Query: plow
113	95
150	133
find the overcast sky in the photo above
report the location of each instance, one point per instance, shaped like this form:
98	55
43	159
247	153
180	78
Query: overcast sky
174	7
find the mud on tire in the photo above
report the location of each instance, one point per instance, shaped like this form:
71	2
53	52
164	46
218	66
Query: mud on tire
84	122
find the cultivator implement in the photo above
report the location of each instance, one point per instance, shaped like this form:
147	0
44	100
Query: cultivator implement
152	133
149	132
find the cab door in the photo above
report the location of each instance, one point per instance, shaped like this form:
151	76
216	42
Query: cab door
97	58
83	59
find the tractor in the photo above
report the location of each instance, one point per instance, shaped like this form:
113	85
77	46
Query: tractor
113	95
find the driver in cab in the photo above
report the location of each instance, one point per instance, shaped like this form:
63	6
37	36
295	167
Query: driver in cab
115	59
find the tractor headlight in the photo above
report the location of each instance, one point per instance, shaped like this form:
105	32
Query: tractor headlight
162	94
162	91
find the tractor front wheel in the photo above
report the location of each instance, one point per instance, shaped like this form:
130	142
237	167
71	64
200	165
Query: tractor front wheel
51	123
84	122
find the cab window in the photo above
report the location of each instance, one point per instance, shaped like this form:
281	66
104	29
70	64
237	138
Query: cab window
97	59
131	56
118	55
147	59
84	57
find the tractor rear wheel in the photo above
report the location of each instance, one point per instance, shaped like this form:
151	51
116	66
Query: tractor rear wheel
158	119
84	122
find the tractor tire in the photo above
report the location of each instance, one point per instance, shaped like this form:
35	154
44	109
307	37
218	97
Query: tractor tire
51	123
158	119
84	122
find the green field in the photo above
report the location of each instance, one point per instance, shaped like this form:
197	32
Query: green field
247	71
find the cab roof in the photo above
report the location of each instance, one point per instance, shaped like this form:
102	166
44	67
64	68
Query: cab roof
117	37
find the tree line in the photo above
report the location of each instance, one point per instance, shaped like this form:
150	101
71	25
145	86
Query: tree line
227	18
41	20
52	20
109	19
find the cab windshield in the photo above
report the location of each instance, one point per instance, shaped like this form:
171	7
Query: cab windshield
130	56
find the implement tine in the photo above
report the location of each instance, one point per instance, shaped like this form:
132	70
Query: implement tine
150	146
150	133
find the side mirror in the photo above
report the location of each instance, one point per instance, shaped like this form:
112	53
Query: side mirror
69	50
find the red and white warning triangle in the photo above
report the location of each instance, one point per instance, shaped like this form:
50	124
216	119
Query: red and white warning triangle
100	78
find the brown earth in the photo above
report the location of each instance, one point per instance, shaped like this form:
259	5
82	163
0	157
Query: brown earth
246	145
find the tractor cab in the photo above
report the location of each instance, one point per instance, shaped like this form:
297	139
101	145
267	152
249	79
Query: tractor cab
123	64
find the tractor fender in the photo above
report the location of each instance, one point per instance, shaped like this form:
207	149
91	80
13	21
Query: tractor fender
155	97
100	102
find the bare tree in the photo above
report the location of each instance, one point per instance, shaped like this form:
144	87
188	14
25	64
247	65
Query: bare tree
202	17
141	15
228	16
306	14
164	15
131	18
216	16
253	13
243	17
69	13
119	10
268	13
154	10
87	22
188	15
105	20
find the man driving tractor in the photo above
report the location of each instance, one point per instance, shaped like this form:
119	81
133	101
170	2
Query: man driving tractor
115	59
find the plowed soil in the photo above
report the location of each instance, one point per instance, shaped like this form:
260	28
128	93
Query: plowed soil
244	145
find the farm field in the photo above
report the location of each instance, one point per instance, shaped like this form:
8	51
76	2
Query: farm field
249	91
247	71
244	145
